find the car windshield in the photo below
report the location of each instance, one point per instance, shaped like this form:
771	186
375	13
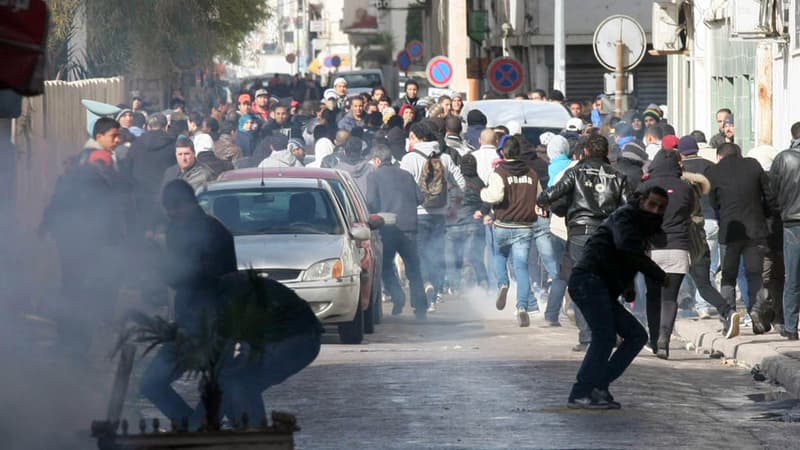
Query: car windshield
273	211
362	80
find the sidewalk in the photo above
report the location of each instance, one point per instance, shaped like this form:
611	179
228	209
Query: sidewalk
778	358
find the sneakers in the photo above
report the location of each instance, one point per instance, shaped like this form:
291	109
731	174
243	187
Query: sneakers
789	335
703	314
430	293
500	303
522	318
432	307
760	326
604	395
663	350
580	348
597	400
730	325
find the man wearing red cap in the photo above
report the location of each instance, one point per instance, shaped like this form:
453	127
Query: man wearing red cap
244	104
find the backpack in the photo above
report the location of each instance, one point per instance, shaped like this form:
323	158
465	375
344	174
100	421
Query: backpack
432	182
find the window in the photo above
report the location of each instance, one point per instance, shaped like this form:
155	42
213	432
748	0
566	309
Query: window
273	211
363	80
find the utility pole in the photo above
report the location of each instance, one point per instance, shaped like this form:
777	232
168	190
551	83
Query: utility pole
559	48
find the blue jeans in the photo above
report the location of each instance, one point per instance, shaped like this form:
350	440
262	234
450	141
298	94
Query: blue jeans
489	238
156	386
791	286
514	243
712	239
465	242
243	383
551	250
430	239
606	318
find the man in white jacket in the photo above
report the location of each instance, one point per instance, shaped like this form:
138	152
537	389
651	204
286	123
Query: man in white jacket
430	221
486	155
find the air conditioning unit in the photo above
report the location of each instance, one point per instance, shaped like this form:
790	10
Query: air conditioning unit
667	30
756	19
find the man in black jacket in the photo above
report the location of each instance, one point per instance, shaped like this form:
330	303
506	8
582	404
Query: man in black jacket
786	186
740	192
391	189
612	257
199	252
151	155
593	190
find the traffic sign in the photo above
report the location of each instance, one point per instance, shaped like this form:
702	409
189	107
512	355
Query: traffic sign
619	28
505	75
336	60
439	71
290	58
403	60
415	49
327	61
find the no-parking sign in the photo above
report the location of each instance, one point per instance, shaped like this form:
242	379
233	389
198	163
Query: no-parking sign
505	75
403	60
415	49
439	71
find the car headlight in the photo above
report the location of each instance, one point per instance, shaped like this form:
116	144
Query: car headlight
324	270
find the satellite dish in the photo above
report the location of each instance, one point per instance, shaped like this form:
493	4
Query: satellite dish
613	29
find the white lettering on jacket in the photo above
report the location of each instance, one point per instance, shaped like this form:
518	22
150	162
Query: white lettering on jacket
519	180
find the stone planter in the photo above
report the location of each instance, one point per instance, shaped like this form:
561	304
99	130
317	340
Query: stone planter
278	436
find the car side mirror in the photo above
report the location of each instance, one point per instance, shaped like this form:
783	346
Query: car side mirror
361	233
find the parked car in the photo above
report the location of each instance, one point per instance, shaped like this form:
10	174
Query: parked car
535	116
304	228
360	81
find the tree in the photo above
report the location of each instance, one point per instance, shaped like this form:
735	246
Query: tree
161	37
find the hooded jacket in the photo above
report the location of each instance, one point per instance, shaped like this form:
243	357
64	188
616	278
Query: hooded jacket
512	187
699	166
414	162
359	169
225	148
631	163
616	251
149	157
665	172
558	152
785	183
472	192
392	189
593	190
279	158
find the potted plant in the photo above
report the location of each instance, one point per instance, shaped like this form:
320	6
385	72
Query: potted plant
247	318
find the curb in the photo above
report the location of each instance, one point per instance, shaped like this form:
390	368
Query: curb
778	358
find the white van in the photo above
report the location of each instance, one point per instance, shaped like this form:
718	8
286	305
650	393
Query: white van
535	116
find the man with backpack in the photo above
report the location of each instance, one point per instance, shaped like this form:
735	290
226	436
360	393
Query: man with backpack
512	188
434	173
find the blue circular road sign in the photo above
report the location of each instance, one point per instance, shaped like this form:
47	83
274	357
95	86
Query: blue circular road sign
403	60
439	71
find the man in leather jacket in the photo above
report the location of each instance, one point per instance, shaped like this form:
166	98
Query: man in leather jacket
786	187
592	190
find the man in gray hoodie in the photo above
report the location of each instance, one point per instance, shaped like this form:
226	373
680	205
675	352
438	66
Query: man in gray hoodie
430	220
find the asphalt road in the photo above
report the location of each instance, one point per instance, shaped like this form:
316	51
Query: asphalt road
468	377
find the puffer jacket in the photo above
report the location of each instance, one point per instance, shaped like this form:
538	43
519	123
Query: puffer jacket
666	173
785	183
593	189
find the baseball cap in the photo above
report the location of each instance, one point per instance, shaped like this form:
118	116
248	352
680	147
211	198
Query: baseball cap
261	92
339	81
244	98
574	124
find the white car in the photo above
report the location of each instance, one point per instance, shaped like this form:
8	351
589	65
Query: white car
293	230
535	116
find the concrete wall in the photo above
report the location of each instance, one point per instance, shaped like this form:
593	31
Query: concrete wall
583	17
786	89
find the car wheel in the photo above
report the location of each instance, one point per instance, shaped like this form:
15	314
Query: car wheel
352	333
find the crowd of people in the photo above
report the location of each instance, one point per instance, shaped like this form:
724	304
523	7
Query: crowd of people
616	208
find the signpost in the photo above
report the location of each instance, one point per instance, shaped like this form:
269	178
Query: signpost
505	75
439	71
290	58
619	45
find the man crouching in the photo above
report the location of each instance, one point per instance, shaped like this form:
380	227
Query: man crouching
613	256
